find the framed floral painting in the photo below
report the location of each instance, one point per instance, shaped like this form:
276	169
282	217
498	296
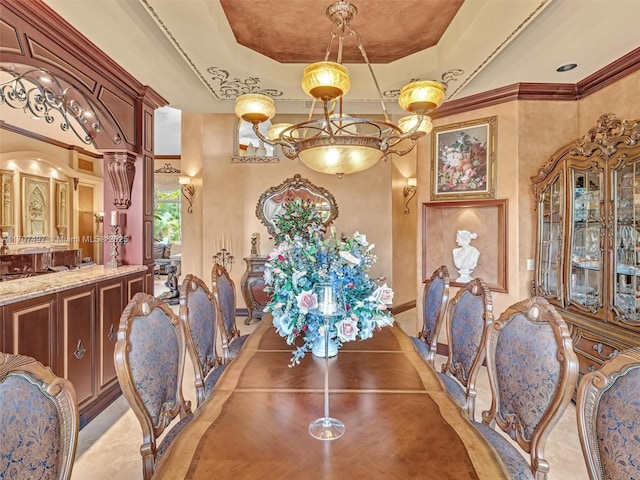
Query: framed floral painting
463	160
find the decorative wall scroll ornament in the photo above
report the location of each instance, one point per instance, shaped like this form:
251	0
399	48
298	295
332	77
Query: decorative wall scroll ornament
167	168
241	159
230	89
449	76
42	95
122	170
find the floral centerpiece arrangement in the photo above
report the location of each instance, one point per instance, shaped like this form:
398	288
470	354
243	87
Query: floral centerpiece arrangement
305	255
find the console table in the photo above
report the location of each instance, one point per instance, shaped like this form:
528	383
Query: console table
252	287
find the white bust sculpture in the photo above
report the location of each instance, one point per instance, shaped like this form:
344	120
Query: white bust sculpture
465	257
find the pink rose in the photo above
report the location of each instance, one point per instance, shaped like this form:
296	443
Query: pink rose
347	329
306	301
383	295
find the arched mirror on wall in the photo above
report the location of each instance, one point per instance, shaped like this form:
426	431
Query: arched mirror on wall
272	201
247	147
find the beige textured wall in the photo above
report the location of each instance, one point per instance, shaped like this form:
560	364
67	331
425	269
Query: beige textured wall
227	194
404	231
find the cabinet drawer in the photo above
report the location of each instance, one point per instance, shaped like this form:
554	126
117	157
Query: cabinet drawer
593	348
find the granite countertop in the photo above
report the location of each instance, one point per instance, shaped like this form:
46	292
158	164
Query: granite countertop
25	288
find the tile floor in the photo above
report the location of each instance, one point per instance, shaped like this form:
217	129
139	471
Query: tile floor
109	445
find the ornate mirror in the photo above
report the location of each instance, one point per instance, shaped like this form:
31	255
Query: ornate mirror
272	201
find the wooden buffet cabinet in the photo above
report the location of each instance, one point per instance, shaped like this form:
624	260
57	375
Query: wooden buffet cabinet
588	239
69	321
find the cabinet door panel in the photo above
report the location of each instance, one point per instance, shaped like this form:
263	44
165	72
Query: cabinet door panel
76	320
135	284
549	251
585	282
30	329
110	307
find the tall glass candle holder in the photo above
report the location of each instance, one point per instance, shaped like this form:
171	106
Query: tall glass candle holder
330	306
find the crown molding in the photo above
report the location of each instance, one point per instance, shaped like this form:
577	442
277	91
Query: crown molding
607	75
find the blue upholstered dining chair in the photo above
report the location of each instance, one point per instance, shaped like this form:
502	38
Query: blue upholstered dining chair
149	359
469	314
224	292
38	421
199	312
532	375
435	298
608	410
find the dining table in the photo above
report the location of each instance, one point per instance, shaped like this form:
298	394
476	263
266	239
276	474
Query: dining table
399	421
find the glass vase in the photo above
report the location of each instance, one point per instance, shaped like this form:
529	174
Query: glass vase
330	306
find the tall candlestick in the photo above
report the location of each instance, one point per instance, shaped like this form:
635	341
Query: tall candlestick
115	218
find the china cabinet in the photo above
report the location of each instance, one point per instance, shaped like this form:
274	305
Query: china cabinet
588	238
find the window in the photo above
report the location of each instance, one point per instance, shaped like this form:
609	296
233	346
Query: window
166	216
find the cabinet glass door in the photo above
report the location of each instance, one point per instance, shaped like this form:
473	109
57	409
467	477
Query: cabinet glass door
585	281
626	242
550	241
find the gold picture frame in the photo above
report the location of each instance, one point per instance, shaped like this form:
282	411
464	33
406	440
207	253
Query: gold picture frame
487	218
463	160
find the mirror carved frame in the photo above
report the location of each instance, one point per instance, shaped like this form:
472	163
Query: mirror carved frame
290	189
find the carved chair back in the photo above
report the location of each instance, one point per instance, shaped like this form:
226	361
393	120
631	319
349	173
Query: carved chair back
470	314
149	359
436	296
38	421
532	375
224	291
199	313
608	408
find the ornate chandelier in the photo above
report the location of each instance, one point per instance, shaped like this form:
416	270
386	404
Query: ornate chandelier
336	143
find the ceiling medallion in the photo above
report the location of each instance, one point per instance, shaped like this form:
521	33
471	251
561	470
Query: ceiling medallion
337	143
231	89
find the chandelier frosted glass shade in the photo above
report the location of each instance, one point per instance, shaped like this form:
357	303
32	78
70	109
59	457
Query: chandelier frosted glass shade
275	130
406	124
421	97
337	159
255	108
326	81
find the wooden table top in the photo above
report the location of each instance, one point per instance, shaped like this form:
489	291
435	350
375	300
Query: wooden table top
400	423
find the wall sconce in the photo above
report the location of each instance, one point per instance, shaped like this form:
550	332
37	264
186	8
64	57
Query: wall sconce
409	192
188	190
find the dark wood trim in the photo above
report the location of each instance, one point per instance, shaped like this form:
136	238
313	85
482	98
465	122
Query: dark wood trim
607	75
168	157
106	398
442	349
41	138
403	307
